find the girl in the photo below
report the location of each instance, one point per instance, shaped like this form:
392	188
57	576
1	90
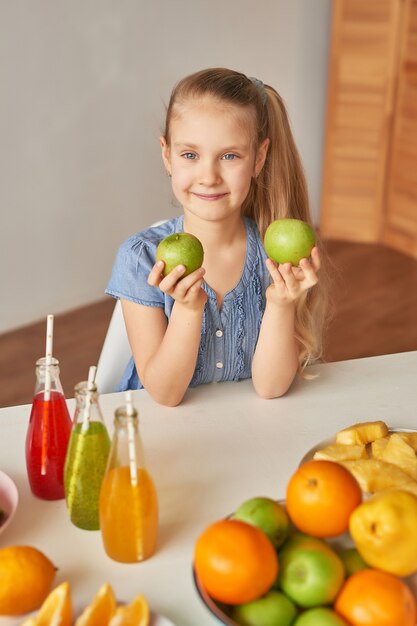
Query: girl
228	148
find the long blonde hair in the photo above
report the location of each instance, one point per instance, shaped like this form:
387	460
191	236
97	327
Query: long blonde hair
279	191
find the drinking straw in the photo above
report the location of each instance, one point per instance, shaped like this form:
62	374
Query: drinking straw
48	354
47	396
87	408
131	439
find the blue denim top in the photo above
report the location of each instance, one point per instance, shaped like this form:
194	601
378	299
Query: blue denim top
228	337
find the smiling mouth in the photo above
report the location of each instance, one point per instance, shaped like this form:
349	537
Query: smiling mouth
210	196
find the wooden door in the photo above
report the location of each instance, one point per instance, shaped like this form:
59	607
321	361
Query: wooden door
361	87
400	228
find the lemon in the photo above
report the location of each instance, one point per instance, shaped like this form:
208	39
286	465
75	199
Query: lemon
100	610
57	608
134	614
26	576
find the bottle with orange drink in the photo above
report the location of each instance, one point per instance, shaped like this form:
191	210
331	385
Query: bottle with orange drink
128	505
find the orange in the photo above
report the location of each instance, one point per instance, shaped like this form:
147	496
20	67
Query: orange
100	610
235	562
321	495
134	614
375	598
57	608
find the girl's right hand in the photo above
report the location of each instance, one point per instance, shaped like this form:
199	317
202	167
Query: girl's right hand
186	291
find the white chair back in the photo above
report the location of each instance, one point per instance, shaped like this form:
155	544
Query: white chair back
116	351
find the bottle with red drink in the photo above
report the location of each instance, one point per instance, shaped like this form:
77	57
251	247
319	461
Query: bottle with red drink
48	433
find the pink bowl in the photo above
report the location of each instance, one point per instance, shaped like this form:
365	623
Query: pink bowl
9	498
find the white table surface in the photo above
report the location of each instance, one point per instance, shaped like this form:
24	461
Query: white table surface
222	446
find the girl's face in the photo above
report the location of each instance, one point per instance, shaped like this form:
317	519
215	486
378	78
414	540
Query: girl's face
212	158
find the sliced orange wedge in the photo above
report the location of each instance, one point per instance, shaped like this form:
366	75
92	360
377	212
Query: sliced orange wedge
31	621
134	614
57	608
100	610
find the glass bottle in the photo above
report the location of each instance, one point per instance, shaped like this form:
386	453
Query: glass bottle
48	433
128	499
86	459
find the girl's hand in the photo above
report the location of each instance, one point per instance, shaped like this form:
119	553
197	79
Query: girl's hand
186	291
289	282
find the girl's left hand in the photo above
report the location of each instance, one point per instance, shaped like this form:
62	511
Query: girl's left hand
288	282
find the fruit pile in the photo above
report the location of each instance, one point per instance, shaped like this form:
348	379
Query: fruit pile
275	565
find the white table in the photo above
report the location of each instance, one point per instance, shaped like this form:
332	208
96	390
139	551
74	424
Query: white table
220	447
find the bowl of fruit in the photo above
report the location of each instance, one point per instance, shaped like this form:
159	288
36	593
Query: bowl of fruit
312	559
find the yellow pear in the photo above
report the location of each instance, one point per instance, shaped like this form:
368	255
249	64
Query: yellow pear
384	529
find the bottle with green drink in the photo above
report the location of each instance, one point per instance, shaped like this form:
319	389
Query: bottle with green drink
86	459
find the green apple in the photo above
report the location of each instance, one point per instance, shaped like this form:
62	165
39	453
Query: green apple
298	539
311	575
295	540
180	249
271	609
320	616
352	560
268	515
289	241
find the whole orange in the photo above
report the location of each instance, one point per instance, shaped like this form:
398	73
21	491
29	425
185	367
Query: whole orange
235	562
375	598
320	497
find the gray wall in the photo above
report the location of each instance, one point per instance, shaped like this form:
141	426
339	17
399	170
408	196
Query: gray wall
83	89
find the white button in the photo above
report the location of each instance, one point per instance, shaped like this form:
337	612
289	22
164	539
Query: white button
219	333
219	365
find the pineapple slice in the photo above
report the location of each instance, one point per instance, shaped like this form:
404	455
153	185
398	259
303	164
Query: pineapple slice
362	433
374	475
378	446
411	487
400	453
410	438
340	452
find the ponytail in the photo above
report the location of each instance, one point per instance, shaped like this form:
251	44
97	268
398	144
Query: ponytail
280	190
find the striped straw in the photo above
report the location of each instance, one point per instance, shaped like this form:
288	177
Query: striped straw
131	439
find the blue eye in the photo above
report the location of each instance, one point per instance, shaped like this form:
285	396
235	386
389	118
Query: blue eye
189	155
229	156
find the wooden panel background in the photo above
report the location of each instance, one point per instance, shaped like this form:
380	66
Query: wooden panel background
400	229
361	86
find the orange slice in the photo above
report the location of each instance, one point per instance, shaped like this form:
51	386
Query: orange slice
134	614
57	608
100	610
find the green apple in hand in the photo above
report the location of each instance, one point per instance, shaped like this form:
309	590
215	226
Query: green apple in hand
320	616
268	515
180	249
269	610
289	240
311	575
